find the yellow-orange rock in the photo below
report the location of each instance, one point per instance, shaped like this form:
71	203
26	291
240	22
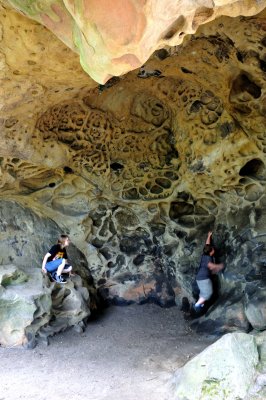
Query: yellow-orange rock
113	37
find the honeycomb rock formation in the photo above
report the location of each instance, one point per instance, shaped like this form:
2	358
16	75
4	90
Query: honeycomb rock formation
139	169
114	37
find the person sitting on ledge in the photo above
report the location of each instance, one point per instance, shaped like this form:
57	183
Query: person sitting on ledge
203	276
55	260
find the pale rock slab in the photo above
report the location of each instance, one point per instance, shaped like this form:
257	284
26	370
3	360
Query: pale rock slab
223	371
25	305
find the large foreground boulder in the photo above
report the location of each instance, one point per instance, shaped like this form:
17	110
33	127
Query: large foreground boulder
224	371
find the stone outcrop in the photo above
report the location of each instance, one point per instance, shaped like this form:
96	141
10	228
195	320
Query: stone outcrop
114	37
225	370
232	368
138	170
33	308
255	310
70	307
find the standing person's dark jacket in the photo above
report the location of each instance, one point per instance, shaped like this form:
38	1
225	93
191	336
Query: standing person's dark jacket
203	271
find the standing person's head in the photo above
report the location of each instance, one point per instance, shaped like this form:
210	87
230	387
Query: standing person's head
63	241
208	250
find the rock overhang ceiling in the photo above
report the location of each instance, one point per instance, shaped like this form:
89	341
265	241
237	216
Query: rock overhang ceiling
137	170
115	37
161	130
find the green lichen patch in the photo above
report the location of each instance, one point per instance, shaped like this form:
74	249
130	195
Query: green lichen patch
15	278
213	389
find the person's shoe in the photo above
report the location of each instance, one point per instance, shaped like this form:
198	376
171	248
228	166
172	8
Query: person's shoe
59	279
198	308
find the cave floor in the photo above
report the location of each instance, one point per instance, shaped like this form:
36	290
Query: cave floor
127	353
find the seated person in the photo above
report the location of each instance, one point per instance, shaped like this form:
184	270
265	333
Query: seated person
55	261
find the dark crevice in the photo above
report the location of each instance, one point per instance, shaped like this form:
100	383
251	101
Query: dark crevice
263	41
162	54
116	166
253	168
196	106
68	170
263	65
243	84
240	56
186	71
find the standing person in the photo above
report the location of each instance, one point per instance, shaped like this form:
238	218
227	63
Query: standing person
55	260
203	277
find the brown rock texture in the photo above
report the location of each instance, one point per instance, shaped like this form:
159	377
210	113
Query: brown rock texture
147	137
117	36
139	169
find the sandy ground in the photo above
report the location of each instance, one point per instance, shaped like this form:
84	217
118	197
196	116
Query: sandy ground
128	353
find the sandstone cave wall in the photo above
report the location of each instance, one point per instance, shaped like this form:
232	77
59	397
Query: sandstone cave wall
137	171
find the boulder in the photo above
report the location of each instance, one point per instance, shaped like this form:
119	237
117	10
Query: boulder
25	306
224	371
260	338
32	308
226	315
69	307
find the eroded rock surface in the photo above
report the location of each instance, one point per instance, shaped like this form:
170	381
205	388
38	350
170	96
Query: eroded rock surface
33	309
138	170
115	37
31	306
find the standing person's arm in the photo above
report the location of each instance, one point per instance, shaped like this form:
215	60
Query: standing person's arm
208	240
47	255
215	268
